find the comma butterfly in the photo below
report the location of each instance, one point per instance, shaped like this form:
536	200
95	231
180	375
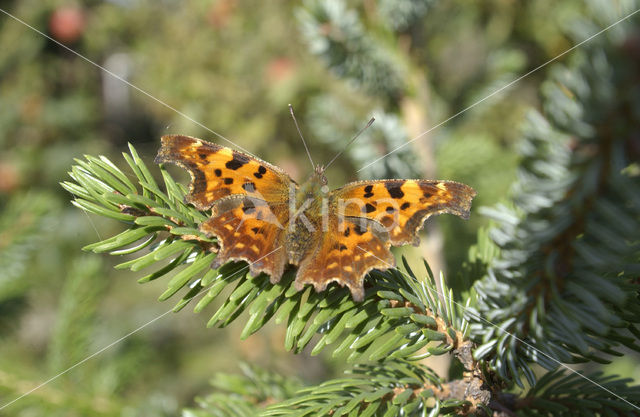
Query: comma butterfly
261	216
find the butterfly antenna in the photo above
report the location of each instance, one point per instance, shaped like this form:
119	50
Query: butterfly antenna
301	137
351	141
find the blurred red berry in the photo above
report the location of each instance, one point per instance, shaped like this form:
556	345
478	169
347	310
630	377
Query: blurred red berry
67	24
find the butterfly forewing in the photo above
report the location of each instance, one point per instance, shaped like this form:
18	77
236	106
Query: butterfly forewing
217	172
401	206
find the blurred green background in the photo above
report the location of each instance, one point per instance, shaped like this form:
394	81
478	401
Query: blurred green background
232	66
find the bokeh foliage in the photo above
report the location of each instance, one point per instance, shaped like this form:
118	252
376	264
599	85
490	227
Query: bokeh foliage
233	66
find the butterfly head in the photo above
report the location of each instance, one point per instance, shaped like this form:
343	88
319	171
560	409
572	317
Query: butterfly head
320	180
316	185
318	173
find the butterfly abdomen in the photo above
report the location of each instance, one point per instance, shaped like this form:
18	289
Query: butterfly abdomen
302	234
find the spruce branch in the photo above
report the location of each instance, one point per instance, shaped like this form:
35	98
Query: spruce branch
565	281
397	387
75	324
391	388
336	33
25	221
244	395
559	393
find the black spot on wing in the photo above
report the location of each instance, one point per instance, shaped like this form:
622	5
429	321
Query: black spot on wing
405	205
261	171
237	161
368	208
391	209
218	172
394	189
342	247
347	232
367	191
228	181
202	155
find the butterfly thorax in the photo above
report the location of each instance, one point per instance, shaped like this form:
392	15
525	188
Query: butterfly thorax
315	188
306	215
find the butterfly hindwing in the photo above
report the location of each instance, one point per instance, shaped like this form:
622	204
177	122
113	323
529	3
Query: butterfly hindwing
401	206
251	230
349	249
217	171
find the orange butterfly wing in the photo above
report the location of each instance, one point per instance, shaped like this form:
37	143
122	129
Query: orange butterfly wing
402	206
251	230
217	171
248	199
347	252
